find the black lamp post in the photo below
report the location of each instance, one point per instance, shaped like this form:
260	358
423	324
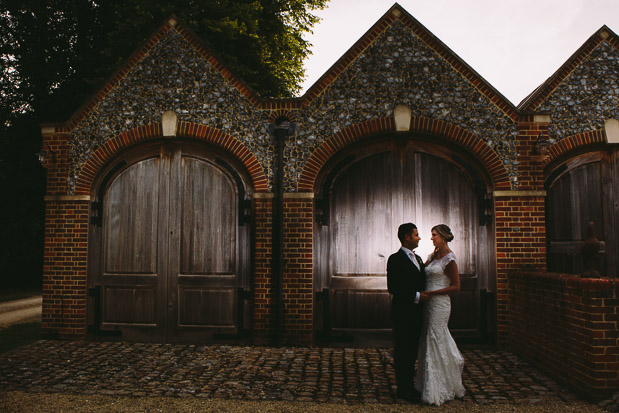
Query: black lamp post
280	131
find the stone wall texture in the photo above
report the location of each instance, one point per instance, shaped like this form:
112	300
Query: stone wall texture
172	76
398	68
587	97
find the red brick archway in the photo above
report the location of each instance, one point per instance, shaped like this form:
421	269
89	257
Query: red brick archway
574	142
185	129
478	148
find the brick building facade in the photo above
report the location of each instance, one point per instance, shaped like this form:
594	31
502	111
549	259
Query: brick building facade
398	85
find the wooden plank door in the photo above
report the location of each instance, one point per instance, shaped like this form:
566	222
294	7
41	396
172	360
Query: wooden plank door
579	191
366	205
370	198
445	195
168	261
133	243
202	284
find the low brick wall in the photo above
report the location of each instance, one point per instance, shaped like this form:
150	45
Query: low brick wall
567	326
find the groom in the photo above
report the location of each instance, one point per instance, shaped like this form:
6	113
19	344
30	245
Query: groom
406	280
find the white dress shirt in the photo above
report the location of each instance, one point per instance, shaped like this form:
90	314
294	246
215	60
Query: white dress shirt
411	255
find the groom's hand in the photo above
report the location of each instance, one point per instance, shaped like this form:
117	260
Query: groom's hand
423	297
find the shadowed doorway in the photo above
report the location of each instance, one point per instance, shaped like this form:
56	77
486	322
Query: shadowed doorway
169	246
365	195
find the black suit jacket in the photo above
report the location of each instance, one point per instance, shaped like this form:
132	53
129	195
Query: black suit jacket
404	281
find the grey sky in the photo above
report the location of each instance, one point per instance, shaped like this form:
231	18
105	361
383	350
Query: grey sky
514	44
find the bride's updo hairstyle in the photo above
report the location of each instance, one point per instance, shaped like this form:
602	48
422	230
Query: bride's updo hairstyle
444	231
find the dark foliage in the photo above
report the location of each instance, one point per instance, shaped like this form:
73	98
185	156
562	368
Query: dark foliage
54	54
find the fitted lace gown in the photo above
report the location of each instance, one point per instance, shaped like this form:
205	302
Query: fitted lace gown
439	370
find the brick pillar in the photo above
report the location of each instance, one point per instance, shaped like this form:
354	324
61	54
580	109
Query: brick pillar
520	242
65	266
65	259
521	217
263	250
298	268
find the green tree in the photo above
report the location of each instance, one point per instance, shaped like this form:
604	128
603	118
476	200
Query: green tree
260	40
54	54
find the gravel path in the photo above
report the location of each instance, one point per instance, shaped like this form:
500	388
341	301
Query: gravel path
20	311
77	376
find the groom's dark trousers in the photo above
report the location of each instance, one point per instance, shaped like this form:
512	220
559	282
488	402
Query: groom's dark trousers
404	280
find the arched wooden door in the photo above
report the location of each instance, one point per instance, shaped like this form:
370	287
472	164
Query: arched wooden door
368	195
585	188
170	250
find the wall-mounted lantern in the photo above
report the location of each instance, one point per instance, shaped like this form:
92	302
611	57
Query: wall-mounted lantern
46	154
540	147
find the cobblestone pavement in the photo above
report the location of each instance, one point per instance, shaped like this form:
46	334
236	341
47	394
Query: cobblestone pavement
329	375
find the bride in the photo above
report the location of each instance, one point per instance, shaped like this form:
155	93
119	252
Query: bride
439	373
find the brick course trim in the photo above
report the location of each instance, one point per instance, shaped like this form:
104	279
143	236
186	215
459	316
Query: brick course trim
67	198
452	133
499	194
185	129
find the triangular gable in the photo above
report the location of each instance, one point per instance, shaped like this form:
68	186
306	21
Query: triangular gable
188	36
397	13
542	92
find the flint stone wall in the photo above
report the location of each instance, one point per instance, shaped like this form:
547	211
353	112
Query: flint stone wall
397	68
173	75
587	97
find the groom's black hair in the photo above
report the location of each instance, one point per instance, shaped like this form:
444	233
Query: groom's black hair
405	229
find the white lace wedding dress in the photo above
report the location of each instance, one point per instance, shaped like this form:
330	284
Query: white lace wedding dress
439	369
